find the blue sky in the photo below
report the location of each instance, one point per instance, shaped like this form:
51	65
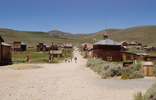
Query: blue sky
76	16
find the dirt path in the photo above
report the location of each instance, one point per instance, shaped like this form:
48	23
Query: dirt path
66	81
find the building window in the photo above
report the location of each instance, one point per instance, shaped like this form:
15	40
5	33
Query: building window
109	57
132	57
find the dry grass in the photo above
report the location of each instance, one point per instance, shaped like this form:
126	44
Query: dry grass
23	66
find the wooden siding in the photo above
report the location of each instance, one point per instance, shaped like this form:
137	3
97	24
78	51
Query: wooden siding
103	51
128	56
0	50
6	55
41	47
147	70
90	53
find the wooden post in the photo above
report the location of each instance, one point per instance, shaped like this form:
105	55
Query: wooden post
52	51
65	48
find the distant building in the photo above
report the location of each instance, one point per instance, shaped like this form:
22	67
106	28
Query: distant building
55	53
68	45
18	46
107	49
5	52
42	47
88	48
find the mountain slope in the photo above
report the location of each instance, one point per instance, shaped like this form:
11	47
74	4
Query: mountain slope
30	38
143	34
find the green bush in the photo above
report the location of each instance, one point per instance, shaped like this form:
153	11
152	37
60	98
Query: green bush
154	71
110	69
138	74
126	75
149	95
138	96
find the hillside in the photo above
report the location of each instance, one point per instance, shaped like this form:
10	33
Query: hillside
143	34
67	35
30	38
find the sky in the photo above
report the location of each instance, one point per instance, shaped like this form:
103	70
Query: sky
76	16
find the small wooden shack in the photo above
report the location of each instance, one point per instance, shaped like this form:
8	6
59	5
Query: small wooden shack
5	52
147	68
107	49
55	53
42	47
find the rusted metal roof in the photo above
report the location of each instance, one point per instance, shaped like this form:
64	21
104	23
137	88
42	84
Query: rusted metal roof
106	42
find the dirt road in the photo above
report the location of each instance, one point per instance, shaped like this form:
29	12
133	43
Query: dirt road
66	81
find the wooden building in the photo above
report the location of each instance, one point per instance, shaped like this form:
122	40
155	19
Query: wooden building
42	47
55	53
128	56
141	56
107	49
68	45
87	48
90	50
124	43
147	68
18	46
5	52
134	44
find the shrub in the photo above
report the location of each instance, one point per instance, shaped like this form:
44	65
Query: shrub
126	76
138	96
154	71
149	95
138	74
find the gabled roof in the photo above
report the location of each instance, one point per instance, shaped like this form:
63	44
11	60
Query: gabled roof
5	44
46	45
106	42
55	51
67	44
22	43
1	39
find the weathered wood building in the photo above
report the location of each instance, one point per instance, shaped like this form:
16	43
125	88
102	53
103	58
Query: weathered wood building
147	68
18	46
88	48
55	53
68	45
107	49
42	47
128	56
5	52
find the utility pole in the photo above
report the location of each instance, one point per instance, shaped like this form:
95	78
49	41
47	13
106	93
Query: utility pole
65	47
68	46
105	22
52	51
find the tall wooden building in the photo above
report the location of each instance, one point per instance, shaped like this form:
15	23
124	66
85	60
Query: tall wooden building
107	49
5	52
18	46
42	47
